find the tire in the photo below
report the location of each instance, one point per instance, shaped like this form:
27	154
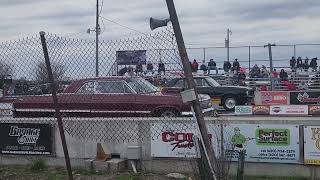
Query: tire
167	112
229	102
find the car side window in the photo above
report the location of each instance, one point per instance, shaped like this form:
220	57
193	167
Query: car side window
201	82
111	87
87	88
180	83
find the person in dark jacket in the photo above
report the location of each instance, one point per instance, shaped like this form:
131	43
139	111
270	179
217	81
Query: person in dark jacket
212	66
306	64
149	68
161	68
283	75
139	68
123	71
255	72
236	65
226	66
314	64
204	68
293	62
299	63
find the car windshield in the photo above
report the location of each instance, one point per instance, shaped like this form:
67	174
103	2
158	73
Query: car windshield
212	82
142	86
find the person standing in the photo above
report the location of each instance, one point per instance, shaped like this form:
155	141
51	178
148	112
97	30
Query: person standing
236	65
226	66
306	64
212	66
299	64
149	68
293	64
194	66
161	68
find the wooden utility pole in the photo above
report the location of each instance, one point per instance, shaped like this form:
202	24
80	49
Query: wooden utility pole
191	85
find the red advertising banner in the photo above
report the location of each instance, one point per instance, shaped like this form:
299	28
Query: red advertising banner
274	97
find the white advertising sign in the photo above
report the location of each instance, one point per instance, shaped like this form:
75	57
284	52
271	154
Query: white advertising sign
312	145
289	110
262	143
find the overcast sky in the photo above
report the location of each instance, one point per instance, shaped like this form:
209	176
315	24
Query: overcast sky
203	22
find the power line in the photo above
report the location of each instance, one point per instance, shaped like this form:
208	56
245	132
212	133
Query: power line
123	25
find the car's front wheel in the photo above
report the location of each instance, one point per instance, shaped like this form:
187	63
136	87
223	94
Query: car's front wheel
229	103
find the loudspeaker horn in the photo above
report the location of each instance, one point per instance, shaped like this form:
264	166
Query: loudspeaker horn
155	23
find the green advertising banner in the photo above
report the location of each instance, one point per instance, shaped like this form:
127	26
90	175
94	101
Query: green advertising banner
264	142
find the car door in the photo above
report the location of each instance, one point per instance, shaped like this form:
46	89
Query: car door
112	97
79	101
202	86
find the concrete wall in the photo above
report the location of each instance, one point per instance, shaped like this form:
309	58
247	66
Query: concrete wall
82	149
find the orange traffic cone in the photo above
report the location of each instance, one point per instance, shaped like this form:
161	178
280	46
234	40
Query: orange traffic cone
101	155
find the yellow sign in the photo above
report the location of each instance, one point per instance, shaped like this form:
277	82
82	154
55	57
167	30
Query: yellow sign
311	161
216	101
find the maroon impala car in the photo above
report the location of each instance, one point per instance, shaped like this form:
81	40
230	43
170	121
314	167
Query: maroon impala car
108	96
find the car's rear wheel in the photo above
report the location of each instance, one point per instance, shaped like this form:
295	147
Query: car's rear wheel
229	103
167	112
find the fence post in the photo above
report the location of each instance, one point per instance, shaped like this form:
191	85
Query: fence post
249	58
56	105
240	170
271	64
204	55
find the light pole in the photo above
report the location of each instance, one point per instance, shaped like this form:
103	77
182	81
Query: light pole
227	43
271	63
98	31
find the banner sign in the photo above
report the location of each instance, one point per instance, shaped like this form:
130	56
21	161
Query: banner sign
131	57
241	110
289	110
261	110
312	145
262	143
314	109
173	140
274	97
306	97
27	139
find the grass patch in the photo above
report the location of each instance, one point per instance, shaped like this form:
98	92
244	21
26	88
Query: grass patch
271	178
39	165
129	177
88	172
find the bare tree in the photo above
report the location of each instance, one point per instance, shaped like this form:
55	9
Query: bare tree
58	71
5	70
5	73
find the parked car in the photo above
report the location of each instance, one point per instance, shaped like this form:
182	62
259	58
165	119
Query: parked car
229	96
109	96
